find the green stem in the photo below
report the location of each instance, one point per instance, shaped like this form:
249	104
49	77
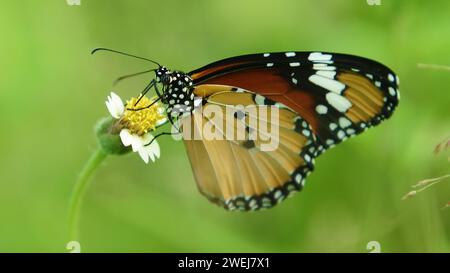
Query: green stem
79	189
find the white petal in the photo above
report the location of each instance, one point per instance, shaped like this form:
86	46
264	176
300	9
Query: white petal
140	145
151	156
118	103
143	154
113	111
126	137
110	106
137	143
115	105
147	138
153	149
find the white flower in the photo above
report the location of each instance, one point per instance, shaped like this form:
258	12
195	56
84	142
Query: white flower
137	124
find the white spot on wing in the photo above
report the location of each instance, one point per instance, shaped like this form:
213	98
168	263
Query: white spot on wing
306	133
392	91
266	54
290	54
318	56
269	64
391	77
321	109
327	83
344	122
294	64
339	102
322	66
307	158
327	74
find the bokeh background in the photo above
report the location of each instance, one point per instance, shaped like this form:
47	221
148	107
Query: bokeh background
52	93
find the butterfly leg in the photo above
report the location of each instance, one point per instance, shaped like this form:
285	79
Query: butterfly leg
160	97
173	124
161	134
146	89
142	108
163	99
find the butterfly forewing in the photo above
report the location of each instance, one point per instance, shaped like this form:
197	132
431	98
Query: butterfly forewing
339	95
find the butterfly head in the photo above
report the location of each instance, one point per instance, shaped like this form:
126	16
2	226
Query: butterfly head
163	75
177	92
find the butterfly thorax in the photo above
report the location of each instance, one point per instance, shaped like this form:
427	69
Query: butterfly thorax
177	91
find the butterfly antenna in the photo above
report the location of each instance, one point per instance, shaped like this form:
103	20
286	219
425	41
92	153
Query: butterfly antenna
123	53
132	75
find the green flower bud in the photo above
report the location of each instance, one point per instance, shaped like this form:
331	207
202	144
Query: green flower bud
107	132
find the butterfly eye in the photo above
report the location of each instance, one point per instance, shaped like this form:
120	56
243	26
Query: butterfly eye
166	79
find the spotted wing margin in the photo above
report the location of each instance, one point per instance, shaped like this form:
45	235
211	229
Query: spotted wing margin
339	95
236	173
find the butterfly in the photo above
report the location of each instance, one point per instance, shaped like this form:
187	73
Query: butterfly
321	99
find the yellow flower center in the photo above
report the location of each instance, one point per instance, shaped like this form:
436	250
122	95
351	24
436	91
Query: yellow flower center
141	121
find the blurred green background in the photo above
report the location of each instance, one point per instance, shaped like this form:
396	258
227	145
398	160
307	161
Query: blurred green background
53	92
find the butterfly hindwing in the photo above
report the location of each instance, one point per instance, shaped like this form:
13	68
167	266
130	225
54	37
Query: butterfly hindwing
237	173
